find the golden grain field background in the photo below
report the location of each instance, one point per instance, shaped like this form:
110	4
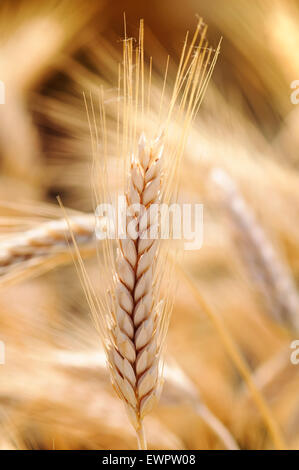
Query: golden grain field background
229	381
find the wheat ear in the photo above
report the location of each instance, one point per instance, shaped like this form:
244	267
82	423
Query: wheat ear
268	271
134	356
45	240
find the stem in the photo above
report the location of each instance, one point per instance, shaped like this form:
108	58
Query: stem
141	439
215	424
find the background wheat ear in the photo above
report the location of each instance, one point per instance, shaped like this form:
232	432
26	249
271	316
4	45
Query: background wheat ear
134	355
268	272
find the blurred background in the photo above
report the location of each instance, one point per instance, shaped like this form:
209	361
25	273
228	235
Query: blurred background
241	161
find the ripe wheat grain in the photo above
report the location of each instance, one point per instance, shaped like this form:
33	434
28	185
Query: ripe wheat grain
134	359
